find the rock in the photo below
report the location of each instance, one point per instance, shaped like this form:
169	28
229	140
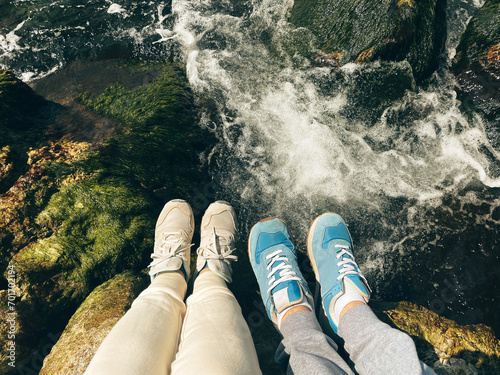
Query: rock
84	212
476	343
22	112
477	67
480	42
6	166
10	16
19	104
363	30
49	167
91	323
455	367
99	230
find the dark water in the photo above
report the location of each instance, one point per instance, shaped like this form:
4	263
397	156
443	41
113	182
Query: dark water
416	178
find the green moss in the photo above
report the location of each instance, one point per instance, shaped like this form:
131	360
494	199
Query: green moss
23	203
104	226
44	251
157	148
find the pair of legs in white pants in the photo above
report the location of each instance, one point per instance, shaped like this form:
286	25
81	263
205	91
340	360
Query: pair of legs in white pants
161	334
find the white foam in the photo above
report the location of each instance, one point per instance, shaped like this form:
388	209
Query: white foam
9	42
292	139
350	67
117	8
30	76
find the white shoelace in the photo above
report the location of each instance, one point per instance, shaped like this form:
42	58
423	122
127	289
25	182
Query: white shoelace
283	269
172	246
349	265
218	249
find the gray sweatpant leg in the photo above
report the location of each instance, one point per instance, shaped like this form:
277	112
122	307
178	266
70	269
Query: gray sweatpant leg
305	349
376	348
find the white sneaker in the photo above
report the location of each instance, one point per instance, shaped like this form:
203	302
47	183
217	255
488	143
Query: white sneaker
174	232
218	229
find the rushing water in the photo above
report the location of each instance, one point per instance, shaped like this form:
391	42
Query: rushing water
416	178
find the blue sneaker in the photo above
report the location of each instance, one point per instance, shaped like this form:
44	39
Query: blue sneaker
329	247
274	263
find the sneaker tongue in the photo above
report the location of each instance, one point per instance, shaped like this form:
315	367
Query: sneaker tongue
286	294
332	244
358	283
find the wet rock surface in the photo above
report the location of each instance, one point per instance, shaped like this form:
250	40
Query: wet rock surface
477	67
362	31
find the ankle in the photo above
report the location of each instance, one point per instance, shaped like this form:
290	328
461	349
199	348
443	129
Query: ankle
351	297
294	309
207	280
206	269
349	306
303	305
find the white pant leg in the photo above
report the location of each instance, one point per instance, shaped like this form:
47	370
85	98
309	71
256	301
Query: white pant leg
146	338
215	338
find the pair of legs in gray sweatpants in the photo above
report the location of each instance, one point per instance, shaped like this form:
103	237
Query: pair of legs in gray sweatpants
373	346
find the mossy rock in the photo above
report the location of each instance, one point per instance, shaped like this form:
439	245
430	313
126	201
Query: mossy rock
480	43
95	215
6	165
18	102
363	30
105	227
21	113
49	168
477	67
476	344
101	228
159	145
90	324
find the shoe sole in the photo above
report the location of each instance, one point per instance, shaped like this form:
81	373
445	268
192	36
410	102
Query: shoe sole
309	244
250	235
